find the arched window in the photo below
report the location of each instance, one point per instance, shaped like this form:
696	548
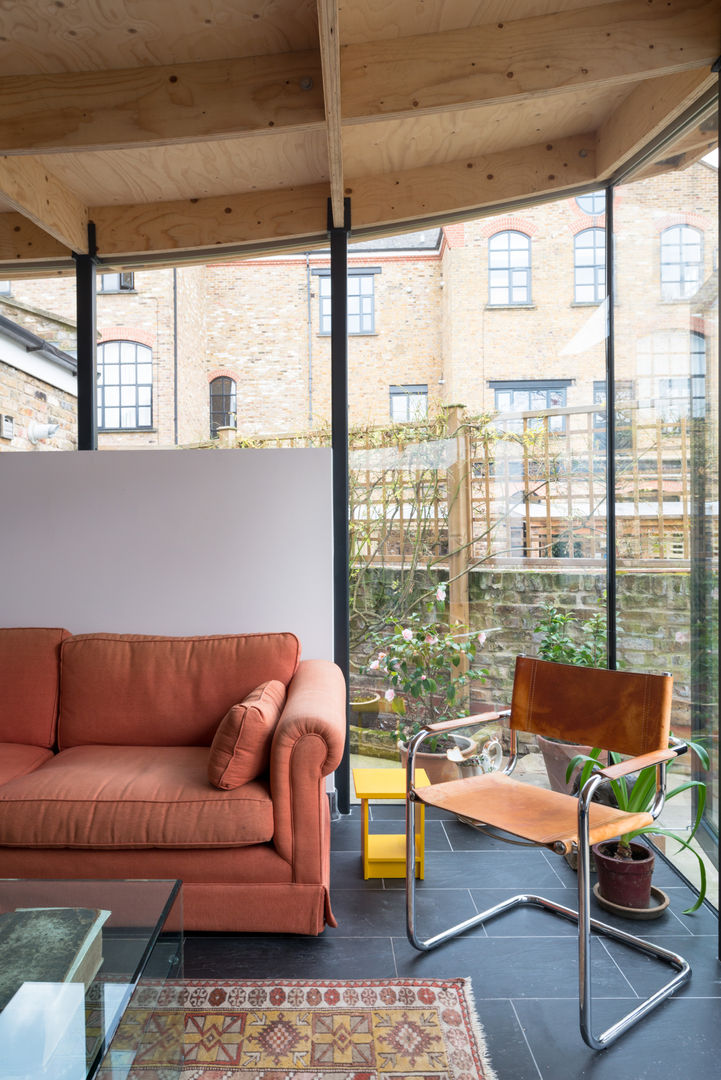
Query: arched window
222	404
589	266
681	262
509	268
125	386
593	203
671	366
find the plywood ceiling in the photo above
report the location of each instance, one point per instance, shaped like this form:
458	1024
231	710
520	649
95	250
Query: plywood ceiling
180	127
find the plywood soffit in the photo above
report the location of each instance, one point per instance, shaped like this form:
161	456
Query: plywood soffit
282	117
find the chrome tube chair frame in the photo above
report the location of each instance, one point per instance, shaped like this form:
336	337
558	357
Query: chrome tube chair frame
582	844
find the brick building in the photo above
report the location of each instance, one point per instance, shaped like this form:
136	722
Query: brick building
502	314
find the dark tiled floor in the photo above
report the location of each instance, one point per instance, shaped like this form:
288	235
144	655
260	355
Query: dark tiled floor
523	965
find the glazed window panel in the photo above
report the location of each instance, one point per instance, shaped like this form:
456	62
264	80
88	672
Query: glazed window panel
125	372
681	262
409	402
223	404
509	269
361	303
589	266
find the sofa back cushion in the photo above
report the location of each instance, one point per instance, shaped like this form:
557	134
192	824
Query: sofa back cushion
240	749
137	690
29	677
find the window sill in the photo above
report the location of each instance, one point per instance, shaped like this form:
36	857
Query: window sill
127	431
117	292
365	333
510	307
587	303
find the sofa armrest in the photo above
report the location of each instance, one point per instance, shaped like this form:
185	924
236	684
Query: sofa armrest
307	745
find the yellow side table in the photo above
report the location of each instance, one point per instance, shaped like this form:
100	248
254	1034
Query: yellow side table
384	855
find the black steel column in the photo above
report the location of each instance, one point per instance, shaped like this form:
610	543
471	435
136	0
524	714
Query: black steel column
85	282
717	567
611	590
339	429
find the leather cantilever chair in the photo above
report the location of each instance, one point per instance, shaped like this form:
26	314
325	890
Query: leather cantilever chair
617	710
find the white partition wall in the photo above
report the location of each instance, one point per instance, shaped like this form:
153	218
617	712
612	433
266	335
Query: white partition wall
169	542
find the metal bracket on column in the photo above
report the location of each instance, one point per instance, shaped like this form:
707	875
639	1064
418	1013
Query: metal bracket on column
85	287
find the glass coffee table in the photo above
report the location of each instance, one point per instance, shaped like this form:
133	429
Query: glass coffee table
72	953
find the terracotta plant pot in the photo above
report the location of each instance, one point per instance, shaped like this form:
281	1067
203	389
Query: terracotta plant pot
556	756
624	882
437	766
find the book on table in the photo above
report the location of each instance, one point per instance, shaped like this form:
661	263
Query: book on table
49	945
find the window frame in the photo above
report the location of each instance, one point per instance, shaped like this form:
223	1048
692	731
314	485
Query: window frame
126	282
495	271
358	274
683	279
103	386
231	394
530	386
598	200
598	266
408	392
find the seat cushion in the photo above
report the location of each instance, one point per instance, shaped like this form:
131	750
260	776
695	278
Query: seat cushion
29	678
17	760
131	797
240	750
135	690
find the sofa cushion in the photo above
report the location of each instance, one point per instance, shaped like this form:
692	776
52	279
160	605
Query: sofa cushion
131	797
240	749
136	690
17	760
29	677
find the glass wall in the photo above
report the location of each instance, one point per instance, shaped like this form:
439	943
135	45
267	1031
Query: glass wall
666	455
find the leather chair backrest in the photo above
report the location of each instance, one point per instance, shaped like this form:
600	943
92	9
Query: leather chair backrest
626	711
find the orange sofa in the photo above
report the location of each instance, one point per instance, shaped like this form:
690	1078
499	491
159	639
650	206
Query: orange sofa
107	742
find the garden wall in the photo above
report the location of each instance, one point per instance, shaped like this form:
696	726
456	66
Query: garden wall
653	633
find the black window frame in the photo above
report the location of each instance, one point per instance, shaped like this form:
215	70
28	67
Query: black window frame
495	272
229	396
141	388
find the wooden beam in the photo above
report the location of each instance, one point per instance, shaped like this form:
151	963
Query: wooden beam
104	110
330	63
627	130
295	214
517	60
22	242
38	195
186	224
470	185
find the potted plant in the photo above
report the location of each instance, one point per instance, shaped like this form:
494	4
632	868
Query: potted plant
624	868
586	649
427	664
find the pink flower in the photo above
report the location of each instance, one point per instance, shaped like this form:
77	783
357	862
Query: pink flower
441	593
374	665
389	695
382	655
407	634
422	678
481	638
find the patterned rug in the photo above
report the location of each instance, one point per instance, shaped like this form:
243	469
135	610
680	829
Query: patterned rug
390	1029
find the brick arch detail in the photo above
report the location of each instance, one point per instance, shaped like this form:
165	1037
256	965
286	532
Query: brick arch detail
577	226
511	223
128	333
698	221
222	373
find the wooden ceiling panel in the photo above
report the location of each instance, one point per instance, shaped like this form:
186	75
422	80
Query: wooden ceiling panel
193	171
443	138
373	20
184	126
93	35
